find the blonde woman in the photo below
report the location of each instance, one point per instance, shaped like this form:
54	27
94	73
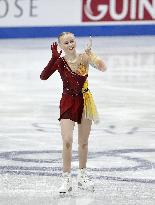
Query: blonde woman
76	105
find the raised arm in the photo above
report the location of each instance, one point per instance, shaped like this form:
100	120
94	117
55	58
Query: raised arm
93	59
96	62
48	70
51	66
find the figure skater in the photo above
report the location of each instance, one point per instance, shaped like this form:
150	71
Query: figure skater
76	104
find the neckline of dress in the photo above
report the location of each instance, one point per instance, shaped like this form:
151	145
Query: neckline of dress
71	69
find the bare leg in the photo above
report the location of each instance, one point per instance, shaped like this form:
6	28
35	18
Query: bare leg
67	127
83	135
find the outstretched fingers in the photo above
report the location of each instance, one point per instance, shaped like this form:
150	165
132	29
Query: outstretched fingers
55	45
55	51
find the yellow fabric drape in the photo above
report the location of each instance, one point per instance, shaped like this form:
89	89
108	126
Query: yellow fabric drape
89	104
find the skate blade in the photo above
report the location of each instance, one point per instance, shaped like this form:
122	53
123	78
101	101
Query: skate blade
66	192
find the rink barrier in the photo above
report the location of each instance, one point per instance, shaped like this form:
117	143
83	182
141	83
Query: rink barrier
106	30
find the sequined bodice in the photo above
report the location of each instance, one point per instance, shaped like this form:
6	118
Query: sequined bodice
82	70
73	81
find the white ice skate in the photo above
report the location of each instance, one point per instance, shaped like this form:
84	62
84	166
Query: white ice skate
66	186
83	181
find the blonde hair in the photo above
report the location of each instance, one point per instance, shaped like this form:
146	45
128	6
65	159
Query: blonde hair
62	34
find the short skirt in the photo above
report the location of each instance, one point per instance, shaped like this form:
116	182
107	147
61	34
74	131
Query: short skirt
72	107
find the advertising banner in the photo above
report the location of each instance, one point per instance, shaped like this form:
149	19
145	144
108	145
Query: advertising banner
39	12
139	11
47	18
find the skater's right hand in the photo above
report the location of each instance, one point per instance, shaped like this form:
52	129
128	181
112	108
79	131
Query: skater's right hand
88	46
55	53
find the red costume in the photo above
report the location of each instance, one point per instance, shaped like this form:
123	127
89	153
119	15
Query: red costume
72	102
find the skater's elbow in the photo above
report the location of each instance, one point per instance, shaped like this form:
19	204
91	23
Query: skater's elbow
102	67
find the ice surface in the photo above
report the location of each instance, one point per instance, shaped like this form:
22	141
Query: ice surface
121	148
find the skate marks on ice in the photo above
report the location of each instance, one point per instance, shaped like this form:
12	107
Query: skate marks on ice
123	175
129	165
30	177
112	129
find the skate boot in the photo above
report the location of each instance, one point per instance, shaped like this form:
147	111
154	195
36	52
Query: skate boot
66	186
83	181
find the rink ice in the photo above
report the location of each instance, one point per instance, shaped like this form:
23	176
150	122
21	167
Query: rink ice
121	157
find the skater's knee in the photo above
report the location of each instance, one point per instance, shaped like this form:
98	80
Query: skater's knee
67	143
83	145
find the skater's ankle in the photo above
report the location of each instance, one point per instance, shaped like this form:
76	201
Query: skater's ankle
66	171
82	168
66	174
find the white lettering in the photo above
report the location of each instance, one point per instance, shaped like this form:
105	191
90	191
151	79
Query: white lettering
133	7
145	4
101	8
114	13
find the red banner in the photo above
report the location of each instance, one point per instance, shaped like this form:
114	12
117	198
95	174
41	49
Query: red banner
118	10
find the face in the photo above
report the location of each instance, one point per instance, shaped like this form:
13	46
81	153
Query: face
68	43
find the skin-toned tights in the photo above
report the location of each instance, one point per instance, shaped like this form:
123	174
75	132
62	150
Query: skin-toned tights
67	128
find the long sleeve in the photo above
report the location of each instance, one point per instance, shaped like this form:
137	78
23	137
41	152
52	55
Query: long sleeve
48	70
